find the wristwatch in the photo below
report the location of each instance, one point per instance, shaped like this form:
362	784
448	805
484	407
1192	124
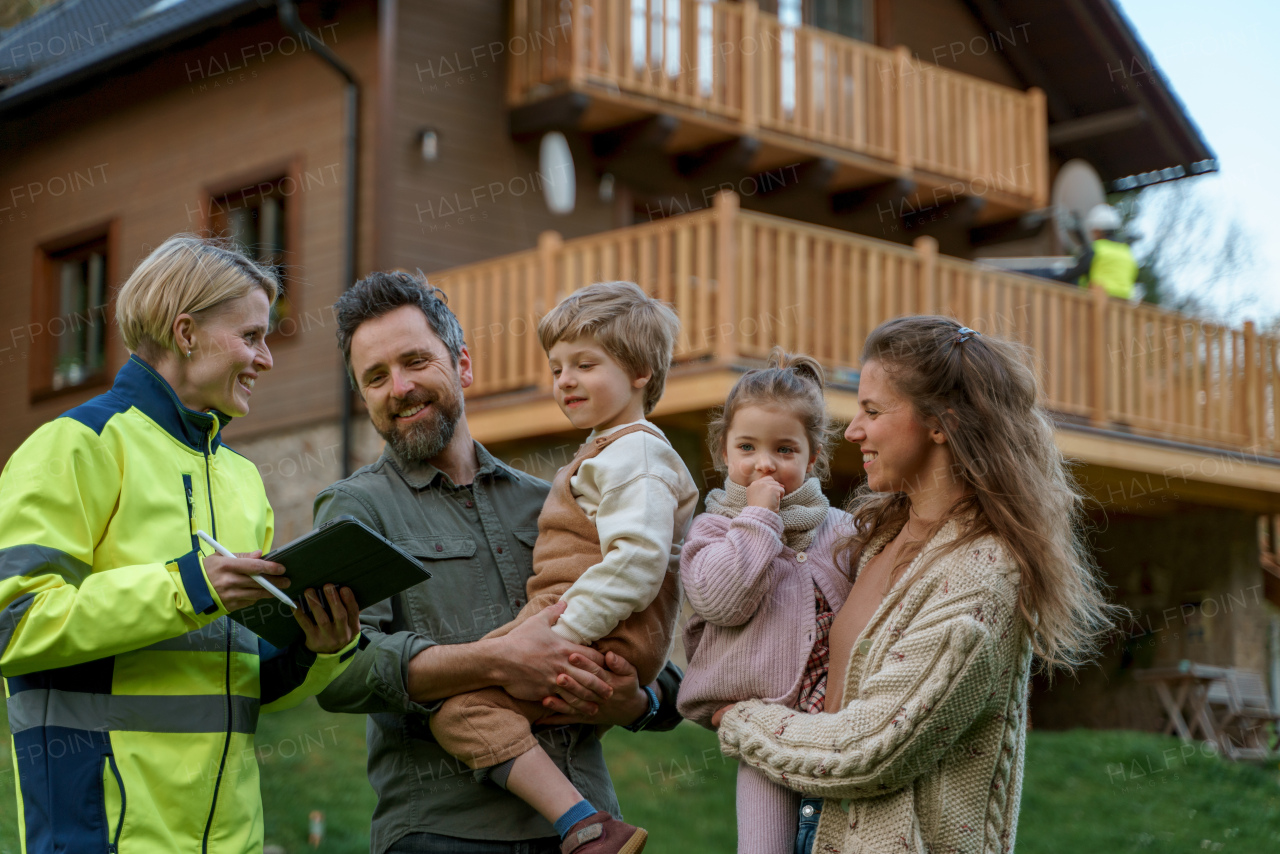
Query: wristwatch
643	721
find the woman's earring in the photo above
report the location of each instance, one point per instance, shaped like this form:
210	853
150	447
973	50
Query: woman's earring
188	354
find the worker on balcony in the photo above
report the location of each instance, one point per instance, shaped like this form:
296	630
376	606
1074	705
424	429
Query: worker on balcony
1106	261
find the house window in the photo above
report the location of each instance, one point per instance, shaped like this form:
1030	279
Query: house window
846	17
75	315
254	219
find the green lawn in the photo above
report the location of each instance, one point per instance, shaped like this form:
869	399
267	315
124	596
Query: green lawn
1085	791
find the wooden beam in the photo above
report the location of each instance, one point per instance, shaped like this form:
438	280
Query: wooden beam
1095	125
874	196
1017	228
1149	494
811	176
723	161
635	153
1211	476
952	214
640	138
799	191
561	112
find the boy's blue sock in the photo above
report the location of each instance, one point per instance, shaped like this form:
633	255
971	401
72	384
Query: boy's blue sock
582	809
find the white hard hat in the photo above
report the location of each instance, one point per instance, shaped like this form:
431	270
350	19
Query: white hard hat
1102	218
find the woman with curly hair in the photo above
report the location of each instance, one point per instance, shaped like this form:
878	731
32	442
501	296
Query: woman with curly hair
968	563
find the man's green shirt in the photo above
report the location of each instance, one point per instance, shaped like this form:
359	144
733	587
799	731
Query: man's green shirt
477	541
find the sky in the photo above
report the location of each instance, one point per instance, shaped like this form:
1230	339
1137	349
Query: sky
1220	60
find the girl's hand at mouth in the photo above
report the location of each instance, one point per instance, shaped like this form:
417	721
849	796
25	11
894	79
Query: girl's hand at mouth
765	492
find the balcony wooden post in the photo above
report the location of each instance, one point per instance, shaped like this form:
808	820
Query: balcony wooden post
901	60
1039	147
749	66
1099	352
1252	386
549	244
927	254
726	212
517	85
577	45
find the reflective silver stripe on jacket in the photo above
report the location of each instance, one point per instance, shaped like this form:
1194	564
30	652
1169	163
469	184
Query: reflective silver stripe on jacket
31	559
211	638
43	707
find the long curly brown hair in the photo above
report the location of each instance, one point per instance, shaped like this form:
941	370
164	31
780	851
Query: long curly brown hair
984	395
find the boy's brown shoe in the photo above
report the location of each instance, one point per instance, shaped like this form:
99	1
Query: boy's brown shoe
603	834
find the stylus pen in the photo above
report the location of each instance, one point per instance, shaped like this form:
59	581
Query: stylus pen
267	585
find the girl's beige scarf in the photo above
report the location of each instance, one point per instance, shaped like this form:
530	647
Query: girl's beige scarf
802	511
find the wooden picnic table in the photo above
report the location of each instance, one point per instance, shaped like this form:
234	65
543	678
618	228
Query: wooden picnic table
1185	687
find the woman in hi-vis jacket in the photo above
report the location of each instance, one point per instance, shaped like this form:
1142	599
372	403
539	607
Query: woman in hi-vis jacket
132	697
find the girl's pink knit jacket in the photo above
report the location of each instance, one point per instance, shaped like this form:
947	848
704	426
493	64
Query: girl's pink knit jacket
754	620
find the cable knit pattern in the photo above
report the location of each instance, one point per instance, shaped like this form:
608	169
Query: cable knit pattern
927	752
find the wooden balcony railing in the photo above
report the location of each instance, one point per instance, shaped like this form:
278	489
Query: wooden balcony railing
743	282
732	62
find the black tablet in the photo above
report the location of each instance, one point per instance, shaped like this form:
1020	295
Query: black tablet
343	551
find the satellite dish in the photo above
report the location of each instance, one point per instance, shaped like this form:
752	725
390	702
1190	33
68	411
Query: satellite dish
555	165
1076	191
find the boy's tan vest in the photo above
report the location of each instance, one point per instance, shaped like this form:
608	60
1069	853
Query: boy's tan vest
568	545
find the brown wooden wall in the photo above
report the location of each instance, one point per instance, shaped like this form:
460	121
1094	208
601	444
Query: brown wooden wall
166	135
450	73
162	137
947	34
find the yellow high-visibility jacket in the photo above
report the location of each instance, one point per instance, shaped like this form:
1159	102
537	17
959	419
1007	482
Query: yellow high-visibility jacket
1113	267
132	697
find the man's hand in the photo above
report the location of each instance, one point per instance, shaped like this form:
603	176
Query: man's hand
232	581
624	707
536	662
719	716
325	635
765	492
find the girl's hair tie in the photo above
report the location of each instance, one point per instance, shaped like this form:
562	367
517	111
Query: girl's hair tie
965	333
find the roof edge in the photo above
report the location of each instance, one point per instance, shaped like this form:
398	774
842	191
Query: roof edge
10	103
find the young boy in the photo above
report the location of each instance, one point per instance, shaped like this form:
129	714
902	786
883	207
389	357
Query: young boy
608	546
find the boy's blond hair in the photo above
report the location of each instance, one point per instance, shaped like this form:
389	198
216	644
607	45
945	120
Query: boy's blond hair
632	327
184	275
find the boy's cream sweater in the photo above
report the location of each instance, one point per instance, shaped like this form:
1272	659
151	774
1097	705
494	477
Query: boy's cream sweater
641	497
927	752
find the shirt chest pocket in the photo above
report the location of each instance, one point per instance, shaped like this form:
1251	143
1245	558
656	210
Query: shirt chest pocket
526	537
455	606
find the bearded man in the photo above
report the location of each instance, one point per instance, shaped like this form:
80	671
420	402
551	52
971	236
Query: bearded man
472	521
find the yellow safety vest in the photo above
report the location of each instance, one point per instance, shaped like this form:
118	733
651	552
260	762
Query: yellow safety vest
1113	267
132	697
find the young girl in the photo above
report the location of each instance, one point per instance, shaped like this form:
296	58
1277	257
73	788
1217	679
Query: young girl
760	572
968	561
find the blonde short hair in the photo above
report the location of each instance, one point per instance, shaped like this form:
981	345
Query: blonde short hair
632	327
184	275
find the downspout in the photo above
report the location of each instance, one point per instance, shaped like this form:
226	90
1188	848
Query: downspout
290	21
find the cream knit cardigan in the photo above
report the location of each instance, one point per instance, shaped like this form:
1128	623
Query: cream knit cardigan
926	754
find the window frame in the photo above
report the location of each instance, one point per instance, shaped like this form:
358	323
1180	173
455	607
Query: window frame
271	172
45	305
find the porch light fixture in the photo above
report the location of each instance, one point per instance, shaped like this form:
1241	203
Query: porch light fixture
430	143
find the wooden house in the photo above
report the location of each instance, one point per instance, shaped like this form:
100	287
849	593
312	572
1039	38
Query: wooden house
784	172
